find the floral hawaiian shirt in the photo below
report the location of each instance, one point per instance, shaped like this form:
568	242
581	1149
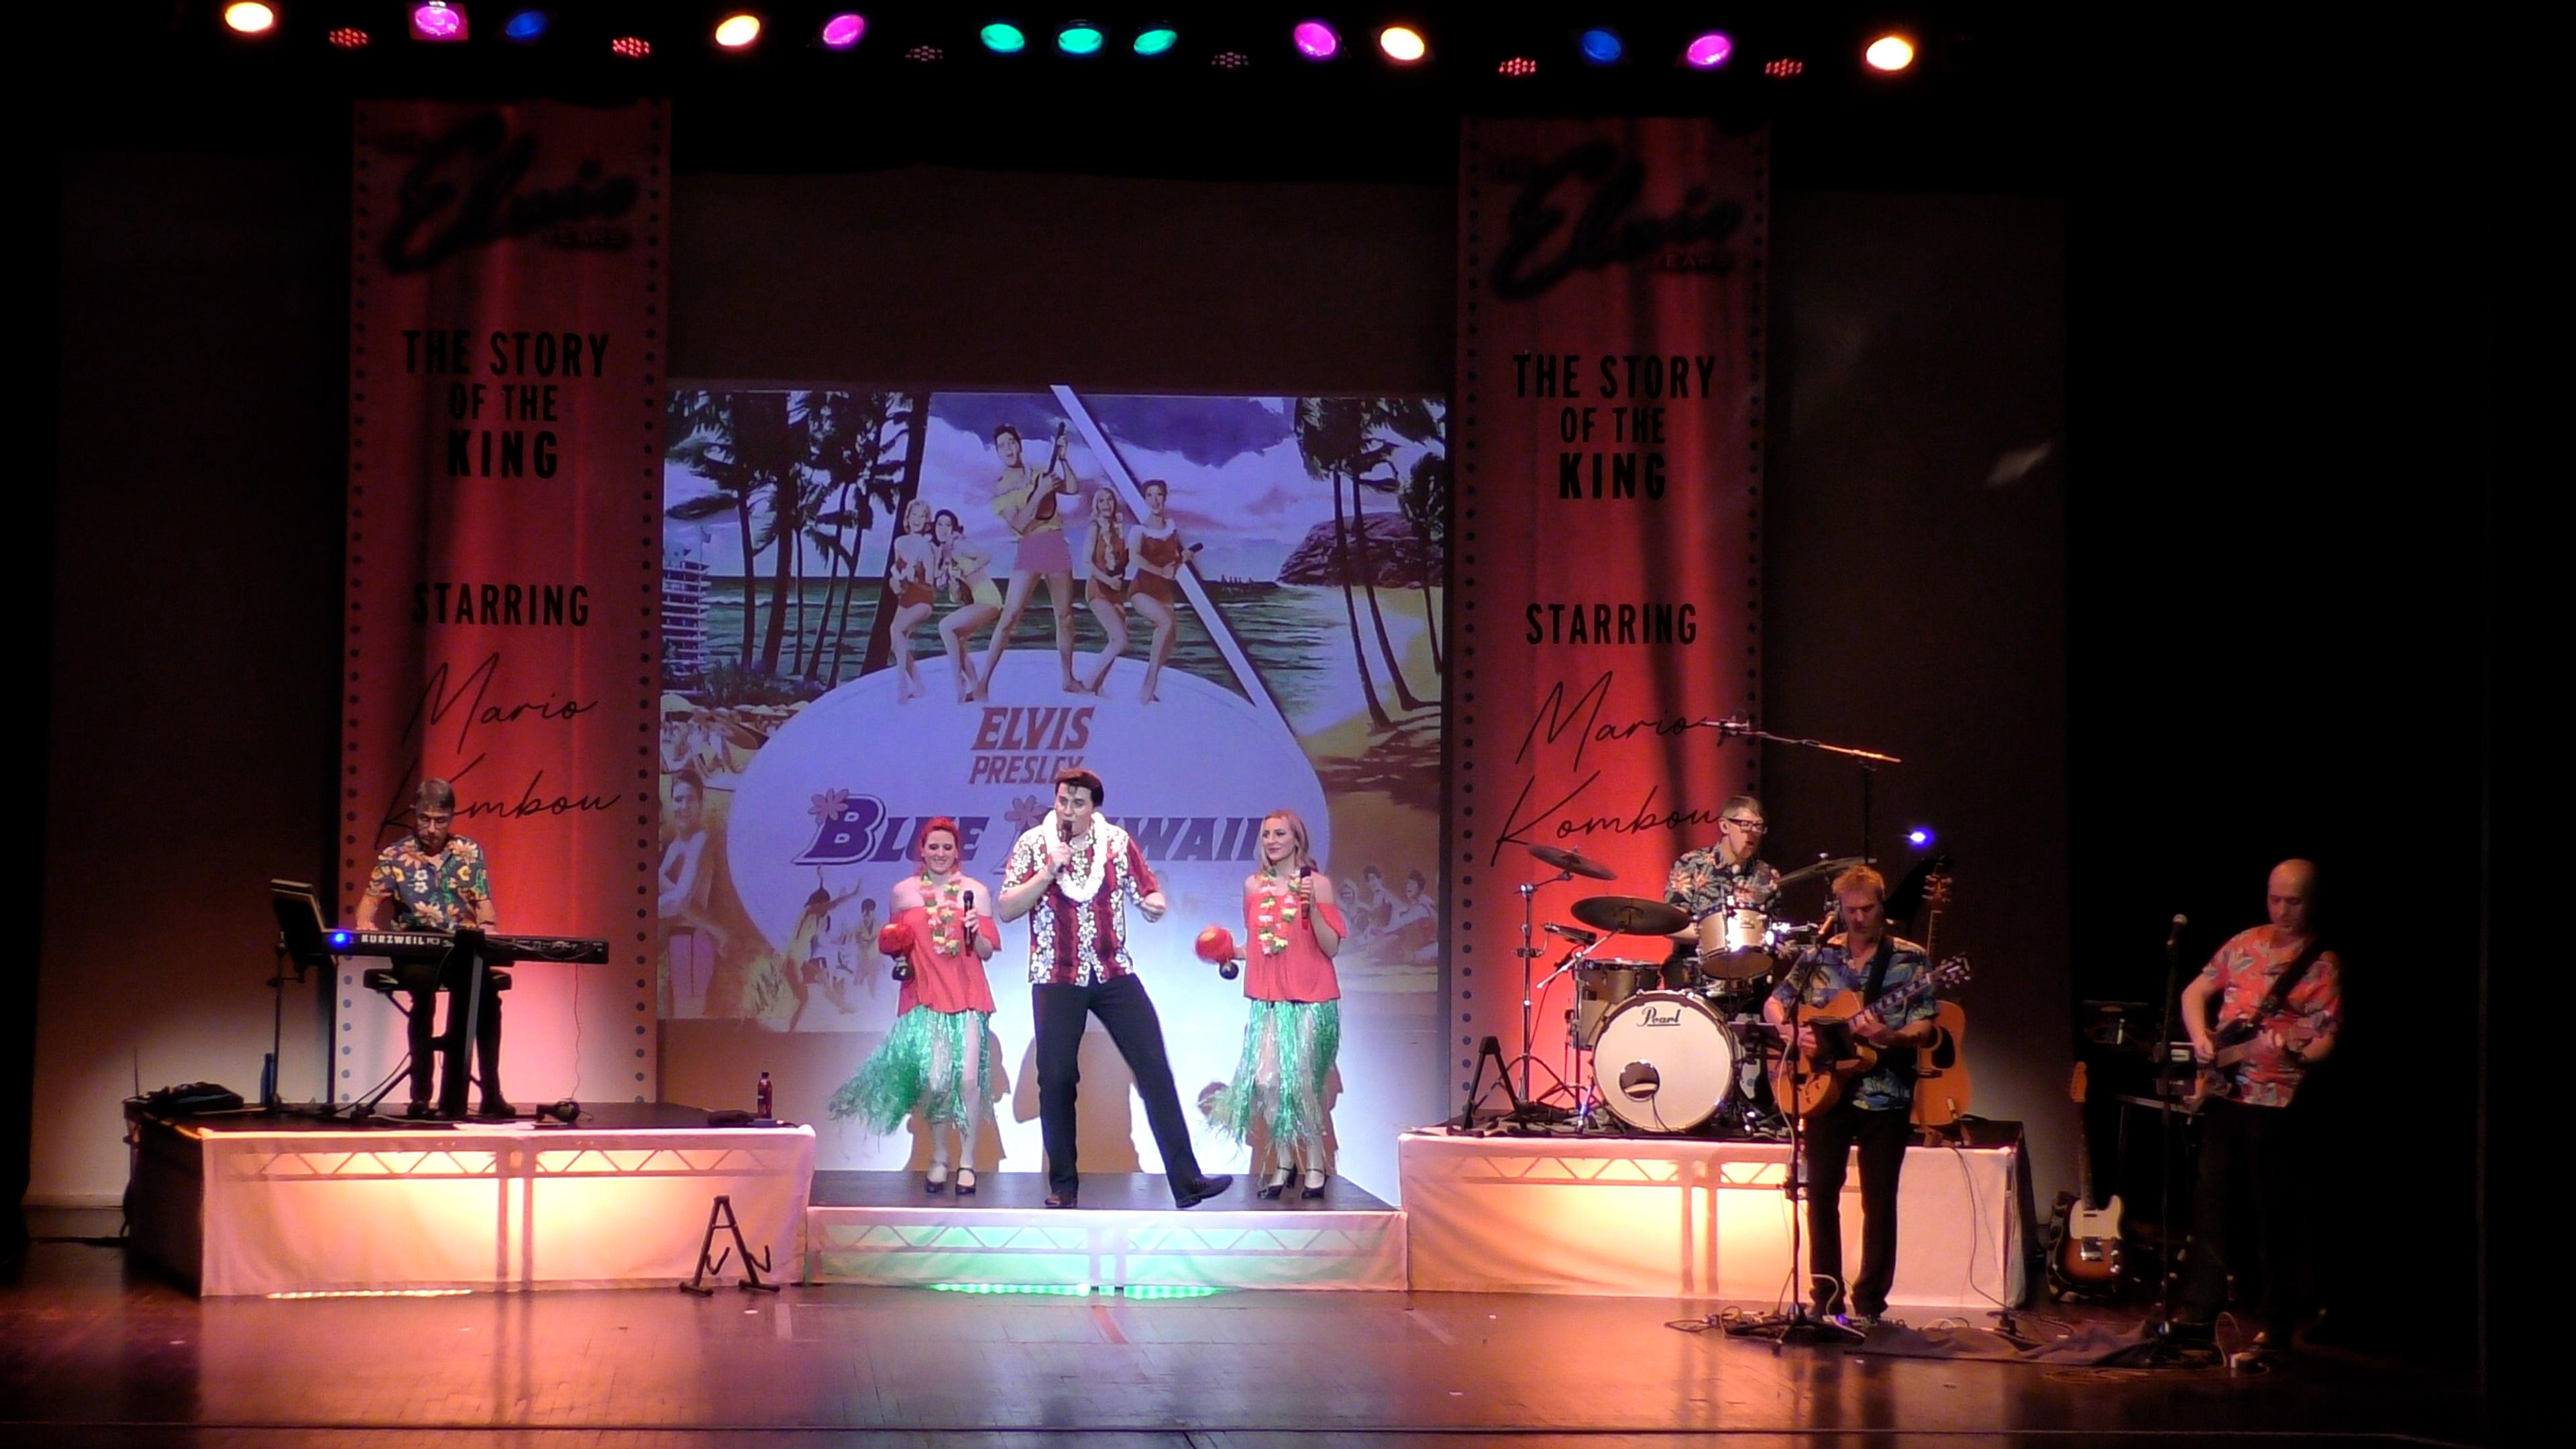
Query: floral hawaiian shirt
1890	1084
432	892
2244	971
1702	883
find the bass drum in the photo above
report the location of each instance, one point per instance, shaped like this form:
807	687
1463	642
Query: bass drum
1664	1061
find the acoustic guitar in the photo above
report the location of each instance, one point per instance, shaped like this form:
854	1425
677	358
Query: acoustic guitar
2086	1258
1941	1069
1808	1082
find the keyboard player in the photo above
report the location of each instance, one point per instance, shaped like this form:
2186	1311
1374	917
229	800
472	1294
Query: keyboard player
435	880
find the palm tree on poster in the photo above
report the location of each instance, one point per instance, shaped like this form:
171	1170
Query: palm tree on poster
1388	421
1351	448
1331	432
864	459
729	445
1425	501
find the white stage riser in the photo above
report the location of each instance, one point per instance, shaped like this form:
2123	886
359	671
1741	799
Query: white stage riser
921	1247
1689	1219
492	1210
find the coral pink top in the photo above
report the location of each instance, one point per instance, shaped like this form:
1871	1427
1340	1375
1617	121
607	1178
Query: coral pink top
1302	972
945	983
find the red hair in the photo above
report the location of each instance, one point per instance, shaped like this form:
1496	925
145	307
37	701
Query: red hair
948	823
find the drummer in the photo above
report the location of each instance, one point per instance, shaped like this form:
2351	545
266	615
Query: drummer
1718	878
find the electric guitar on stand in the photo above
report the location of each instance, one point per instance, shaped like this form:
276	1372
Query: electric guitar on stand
2084	1257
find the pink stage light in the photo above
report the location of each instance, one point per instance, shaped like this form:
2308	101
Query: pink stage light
1517	67
1709	51
347	37
843	31
438	21
630	47
1316	40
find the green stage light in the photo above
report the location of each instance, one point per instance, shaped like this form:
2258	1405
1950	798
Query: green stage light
1079	40
1059	1290
1157	40
1003	38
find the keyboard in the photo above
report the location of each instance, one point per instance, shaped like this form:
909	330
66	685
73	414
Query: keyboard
436	945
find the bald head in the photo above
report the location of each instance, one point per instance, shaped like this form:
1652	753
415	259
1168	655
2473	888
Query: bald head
2290	896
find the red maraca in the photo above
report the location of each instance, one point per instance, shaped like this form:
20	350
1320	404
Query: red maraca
1216	947
895	942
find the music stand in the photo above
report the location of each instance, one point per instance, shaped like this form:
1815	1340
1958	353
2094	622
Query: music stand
304	941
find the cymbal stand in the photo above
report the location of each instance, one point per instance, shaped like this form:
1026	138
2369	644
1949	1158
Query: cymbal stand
1534	1108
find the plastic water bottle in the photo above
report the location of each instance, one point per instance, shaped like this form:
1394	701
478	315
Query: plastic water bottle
761	1107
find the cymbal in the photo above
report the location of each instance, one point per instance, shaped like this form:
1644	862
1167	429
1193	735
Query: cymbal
1630	915
1835	866
1575	861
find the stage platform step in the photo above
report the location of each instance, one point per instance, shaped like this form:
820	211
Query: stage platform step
882	1228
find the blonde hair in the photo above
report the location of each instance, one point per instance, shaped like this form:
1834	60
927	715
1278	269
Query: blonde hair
1297	834
1861	878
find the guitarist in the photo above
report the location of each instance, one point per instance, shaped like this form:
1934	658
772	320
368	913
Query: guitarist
2280	1007
1876	1112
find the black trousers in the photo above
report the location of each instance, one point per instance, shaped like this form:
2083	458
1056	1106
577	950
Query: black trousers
423	979
1883	1137
2245	1217
1128	1013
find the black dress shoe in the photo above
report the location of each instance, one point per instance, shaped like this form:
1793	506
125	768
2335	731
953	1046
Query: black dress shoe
1314	1187
1065	1198
1273	1185
420	1111
496	1108
965	1182
934	1186
1208	1187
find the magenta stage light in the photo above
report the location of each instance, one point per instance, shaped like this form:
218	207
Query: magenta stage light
1708	51
438	21
630	47
1316	40
1517	67
843	31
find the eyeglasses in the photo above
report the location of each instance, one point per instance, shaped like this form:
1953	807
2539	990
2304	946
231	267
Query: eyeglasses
1749	827
423	817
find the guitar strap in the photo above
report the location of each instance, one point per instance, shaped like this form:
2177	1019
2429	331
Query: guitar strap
2274	999
1900	1060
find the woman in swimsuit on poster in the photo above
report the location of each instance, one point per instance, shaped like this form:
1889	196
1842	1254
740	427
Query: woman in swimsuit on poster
960	572
1160	557
1105	580
1027	503
908	572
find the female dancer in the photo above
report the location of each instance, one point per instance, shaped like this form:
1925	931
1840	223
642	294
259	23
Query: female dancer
1296	1027
960	573
1026	502
909	567
1105	576
1157	543
933	1060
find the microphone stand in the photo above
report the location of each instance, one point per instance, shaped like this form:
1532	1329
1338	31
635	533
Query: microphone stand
1801	1324
1869	761
2165	1108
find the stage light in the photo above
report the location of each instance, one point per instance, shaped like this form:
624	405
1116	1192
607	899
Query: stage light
250	19
738	30
438	21
1919	837
1080	39
1889	53
1059	1290
925	54
1708	51
1229	60
630	47
527	27
1316	40
1783	68
843	30
347	37
1517	67
1157	40
1602	47
1003	38
1402	44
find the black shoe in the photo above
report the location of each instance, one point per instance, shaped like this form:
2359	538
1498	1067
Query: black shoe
495	1108
933	1186
420	1111
1208	1187
965	1182
1274	1185
1314	1187
1065	1197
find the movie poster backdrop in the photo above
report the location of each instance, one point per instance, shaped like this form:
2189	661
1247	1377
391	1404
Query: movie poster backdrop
830	552
503	515
1608	588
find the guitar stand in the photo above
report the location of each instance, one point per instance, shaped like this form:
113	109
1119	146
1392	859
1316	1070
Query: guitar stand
721	1216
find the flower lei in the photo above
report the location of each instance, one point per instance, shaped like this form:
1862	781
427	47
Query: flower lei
1275	915
940	902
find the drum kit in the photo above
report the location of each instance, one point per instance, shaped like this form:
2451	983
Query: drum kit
1665	1046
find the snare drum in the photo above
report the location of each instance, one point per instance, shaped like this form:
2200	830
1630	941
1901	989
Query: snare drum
1735	945
1601	985
1663	1061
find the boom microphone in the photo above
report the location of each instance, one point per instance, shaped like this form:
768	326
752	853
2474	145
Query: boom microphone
2179	921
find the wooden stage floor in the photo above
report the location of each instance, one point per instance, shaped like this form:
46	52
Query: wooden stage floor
96	1352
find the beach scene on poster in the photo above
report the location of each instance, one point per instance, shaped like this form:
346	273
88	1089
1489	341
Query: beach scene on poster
886	606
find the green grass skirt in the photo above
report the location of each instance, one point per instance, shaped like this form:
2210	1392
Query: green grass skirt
1279	1084
920	1065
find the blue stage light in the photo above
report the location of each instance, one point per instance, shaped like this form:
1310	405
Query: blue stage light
1918	837
527	26
1602	47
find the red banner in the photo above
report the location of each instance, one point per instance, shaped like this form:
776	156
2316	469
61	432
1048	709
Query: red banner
1608	438
504	544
